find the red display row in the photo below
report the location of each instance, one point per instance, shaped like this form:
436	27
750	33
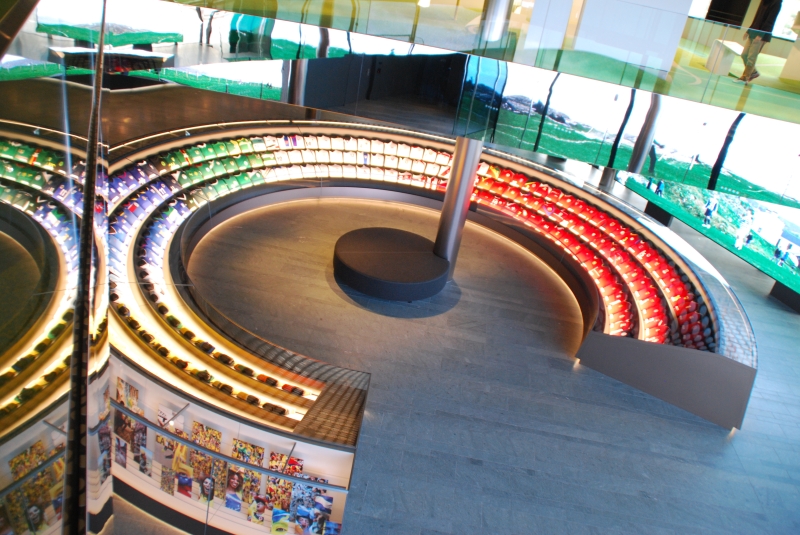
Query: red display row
626	268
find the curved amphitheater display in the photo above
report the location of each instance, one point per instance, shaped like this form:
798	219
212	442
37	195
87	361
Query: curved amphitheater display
191	405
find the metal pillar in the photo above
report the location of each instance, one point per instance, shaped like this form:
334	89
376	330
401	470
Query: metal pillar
645	139
74	520
495	19
324	43
607	179
294	81
456	200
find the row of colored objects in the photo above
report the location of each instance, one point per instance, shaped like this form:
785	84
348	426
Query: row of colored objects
625	266
149	217
45	184
644	293
287	158
40	164
40	157
59	222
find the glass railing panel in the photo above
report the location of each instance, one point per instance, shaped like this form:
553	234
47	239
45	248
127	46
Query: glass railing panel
569	117
46	85
583	122
691	134
658	49
362	92
42	165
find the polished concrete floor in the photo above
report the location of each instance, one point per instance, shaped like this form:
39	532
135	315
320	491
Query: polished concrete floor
19	275
478	420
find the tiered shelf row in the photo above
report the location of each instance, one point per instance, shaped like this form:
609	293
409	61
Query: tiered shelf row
644	293
141	228
45	354
625	267
42	183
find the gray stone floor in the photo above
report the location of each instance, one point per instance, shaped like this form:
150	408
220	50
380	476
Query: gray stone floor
19	275
478	421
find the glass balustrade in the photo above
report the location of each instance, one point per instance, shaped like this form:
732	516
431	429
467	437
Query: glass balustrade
194	411
638	45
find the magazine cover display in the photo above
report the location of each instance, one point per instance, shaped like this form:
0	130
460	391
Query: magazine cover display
171	456
274	504
280	490
130	433
243	484
207	470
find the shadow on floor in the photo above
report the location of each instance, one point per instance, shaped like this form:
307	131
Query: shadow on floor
424	308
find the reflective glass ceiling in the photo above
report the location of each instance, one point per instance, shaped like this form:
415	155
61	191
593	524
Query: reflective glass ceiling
632	44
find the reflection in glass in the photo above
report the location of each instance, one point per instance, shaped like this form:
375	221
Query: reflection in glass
634	44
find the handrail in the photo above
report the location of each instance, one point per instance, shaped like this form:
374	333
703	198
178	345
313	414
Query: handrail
36	127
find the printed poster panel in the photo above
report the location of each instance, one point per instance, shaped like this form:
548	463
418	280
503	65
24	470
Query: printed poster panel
279	491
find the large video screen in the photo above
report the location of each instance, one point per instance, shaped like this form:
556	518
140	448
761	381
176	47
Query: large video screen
764	234
756	206
583	117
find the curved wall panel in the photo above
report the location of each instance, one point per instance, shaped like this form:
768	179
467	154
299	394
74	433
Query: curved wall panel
640	298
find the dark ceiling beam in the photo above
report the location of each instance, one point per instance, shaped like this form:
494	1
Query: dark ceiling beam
11	21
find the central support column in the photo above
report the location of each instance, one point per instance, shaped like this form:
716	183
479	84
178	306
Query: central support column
456	200
294	74
397	265
645	138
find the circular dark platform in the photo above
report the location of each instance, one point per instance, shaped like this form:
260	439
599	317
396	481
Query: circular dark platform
390	264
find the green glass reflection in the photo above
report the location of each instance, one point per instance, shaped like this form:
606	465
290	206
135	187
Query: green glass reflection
651	48
761	233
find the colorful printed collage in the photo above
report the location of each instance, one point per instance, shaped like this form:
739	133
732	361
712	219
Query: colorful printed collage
276	503
208	470
130	433
36	506
243	485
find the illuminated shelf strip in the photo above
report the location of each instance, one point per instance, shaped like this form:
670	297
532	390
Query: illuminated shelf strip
210	170
44	171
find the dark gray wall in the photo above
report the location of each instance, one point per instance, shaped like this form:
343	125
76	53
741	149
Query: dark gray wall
711	386
335	82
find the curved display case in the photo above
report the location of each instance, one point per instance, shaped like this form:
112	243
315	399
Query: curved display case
209	426
42	183
631	283
191	403
41	205
646	295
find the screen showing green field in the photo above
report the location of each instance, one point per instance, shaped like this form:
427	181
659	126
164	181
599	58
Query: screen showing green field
764	234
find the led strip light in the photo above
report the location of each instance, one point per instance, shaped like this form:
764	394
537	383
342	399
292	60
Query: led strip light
40	182
643	293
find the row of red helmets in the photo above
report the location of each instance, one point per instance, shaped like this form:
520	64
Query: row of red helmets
619	316
560	208
646	272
